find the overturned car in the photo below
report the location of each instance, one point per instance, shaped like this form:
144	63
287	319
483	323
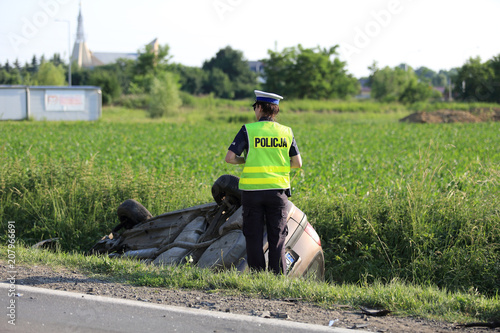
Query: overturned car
208	235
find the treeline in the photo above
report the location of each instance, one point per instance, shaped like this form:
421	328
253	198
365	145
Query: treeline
475	81
154	82
38	72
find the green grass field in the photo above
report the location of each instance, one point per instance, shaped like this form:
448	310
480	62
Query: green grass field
391	201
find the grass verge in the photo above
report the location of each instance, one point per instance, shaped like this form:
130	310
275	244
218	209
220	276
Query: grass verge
428	302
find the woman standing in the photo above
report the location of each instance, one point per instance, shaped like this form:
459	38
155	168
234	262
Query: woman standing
270	151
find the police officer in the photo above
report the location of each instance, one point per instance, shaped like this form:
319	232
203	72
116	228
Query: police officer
269	151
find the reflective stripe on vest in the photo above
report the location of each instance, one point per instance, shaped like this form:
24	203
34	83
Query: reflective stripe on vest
267	164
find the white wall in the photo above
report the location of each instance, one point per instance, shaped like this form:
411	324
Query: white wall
13	104
50	103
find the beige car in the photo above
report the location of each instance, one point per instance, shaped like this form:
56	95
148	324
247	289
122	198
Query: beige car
208	235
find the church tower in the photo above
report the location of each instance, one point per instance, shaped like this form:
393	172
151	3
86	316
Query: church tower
83	57
81	54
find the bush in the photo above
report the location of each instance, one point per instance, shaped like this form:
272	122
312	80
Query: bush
187	99
108	81
165	98
50	75
133	101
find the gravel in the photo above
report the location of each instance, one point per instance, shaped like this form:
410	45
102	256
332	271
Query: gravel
284	309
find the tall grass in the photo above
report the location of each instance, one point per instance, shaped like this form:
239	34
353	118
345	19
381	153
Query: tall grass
210	103
389	200
76	201
449	240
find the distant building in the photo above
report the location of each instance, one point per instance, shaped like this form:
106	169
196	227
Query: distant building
365	91
83	57
256	66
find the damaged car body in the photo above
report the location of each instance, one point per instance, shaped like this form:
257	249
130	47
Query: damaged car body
208	235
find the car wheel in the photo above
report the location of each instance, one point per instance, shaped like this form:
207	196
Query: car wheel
131	213
227	186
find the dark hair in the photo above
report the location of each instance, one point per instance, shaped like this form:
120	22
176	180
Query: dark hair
268	109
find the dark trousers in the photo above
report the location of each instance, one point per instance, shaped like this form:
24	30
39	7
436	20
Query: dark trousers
265	208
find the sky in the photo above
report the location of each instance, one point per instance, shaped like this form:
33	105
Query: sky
438	34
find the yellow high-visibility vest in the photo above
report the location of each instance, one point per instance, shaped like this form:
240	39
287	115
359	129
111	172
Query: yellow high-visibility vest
267	164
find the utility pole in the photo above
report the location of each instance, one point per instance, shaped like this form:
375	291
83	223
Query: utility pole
449	89
69	49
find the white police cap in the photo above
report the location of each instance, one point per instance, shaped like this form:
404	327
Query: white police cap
263	96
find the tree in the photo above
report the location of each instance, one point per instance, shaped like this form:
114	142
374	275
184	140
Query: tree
494	64
34	65
475	81
10	77
27	74
80	76
387	84
399	84
219	84
191	79
17	65
124	69
425	74
415	91
309	73
14	73
149	64
108	81
50	75
151	61
56	59
235	67
165	100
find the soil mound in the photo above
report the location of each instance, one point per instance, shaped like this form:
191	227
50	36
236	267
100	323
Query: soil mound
453	116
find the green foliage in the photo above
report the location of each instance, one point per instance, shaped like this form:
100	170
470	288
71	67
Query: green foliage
471	79
133	101
108	81
164	98
190	78
342	106
387	84
436	79
471	107
80	76
151	61
425	74
494	64
416	91
229	75
50	75
10	77
124	71
219	84
150	64
478	82
399	84
308	73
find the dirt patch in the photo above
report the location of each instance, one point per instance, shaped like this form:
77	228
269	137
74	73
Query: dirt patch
285	309
453	116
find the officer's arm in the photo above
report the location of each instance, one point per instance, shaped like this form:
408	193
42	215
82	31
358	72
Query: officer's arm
295	161
232	158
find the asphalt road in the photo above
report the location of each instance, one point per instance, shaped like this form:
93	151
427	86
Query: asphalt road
45	310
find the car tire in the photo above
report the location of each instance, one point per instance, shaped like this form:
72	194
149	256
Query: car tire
227	186
131	213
